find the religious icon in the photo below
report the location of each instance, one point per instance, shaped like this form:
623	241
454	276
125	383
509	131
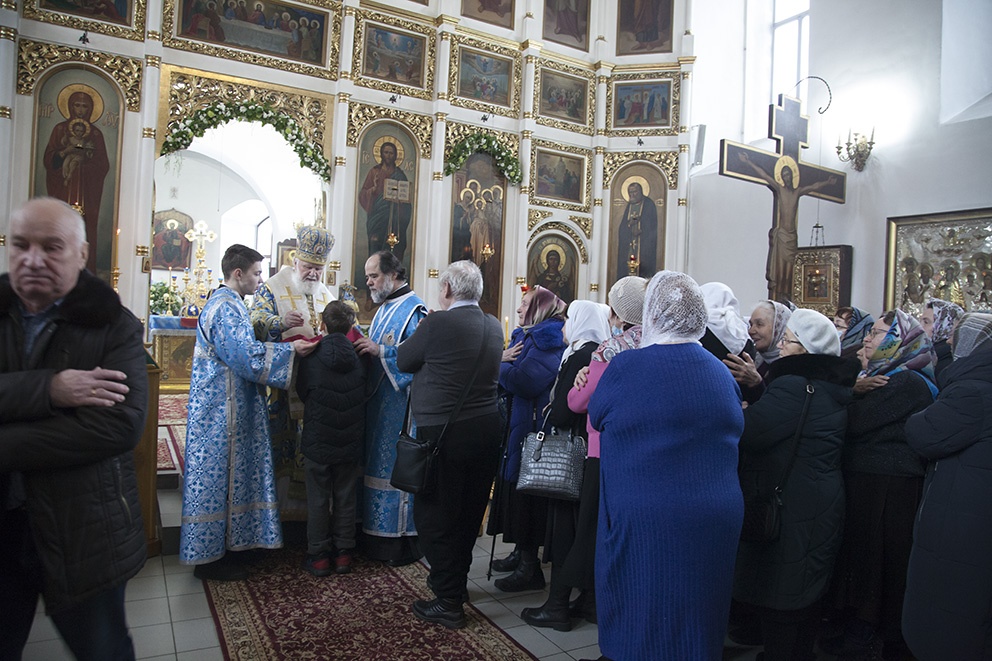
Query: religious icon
119	12
644	26
477	220
567	22
637	212
640	105
394	55
816	282
170	247
483	79
563	97
551	263
822	278
497	12
77	153
559	176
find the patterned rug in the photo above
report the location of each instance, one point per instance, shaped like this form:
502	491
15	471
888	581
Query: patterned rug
171	432
282	612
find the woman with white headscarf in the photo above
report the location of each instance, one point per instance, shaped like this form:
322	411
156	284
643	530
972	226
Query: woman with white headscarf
670	418
767	326
726	330
587	324
949	583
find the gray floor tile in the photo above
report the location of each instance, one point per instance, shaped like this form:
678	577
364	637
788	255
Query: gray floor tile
533	641
154	640
151	587
192	606
195	634
145	612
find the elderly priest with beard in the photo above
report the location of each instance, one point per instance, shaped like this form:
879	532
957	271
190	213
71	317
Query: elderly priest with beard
287	307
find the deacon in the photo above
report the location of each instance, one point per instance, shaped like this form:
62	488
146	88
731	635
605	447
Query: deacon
229	495
288	307
387	514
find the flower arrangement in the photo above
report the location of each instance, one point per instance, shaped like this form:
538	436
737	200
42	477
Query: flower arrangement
218	113
507	163
161	300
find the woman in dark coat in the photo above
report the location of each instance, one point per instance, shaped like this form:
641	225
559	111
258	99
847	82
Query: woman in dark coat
784	579
587	324
947	613
883	479
852	324
938	319
530	365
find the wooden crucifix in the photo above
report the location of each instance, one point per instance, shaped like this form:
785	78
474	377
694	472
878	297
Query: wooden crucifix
789	179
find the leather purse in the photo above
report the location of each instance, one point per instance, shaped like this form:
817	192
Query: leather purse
763	513
552	464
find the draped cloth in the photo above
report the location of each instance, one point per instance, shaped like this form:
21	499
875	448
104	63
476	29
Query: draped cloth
387	511
229	495
858	326
905	347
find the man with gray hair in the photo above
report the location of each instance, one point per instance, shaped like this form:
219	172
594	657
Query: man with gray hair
73	396
455	350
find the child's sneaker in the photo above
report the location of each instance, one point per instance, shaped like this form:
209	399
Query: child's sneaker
342	563
318	565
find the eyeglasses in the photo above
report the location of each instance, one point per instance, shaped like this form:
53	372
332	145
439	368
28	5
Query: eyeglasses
785	341
875	332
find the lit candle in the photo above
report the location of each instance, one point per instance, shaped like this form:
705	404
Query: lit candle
848	136
506	331
872	139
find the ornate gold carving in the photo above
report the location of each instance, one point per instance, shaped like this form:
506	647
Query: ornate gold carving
154	35
440	116
391	8
8	33
673	107
590	100
531	59
602	80
644	68
343	97
520	280
361	115
334	265
668	161
686	59
135	31
683	129
350	11
683	202
184	91
3	239
329	71
34	58
8	4
584	223
598	202
153	61
686	74
365	17
457	131
535	216
527	135
609	66
530	43
444	19
5	112
529	14
445	36
148	132
683	148
556	226
528	115
437	176
601	37
433	273
585	154
525	190
594	286
600	131
600	151
340	161
345	75
141	251
458	43
442	96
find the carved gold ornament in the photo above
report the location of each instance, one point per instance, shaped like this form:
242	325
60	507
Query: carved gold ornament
34	58
361	115
668	161
556	226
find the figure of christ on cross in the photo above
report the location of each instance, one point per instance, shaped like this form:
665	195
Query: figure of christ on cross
782	172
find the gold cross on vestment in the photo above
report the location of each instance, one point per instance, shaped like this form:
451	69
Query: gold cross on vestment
292	299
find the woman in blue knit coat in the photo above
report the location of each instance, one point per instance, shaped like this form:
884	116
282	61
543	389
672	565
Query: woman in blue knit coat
670	501
530	365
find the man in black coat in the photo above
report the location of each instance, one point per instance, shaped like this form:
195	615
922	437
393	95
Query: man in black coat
73	396
447	350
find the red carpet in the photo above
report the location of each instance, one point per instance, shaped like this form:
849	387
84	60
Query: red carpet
171	432
282	612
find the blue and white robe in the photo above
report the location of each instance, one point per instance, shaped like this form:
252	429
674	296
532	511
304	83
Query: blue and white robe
229	496
386	511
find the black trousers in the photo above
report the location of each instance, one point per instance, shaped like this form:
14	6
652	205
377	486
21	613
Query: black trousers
448	519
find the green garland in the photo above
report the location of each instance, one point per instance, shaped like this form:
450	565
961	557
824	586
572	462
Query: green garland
507	163
219	113
162	301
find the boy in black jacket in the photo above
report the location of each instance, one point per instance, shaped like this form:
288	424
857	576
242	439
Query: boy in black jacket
331	383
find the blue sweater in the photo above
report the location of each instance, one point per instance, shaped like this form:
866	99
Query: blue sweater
670	502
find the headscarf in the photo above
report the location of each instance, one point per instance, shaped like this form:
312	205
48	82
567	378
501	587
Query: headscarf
629	339
586	322
674	311
543	305
780	319
857	327
945	314
904	347
724	316
815	332
973	334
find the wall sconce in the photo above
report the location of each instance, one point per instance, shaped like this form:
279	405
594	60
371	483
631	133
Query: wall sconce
856	152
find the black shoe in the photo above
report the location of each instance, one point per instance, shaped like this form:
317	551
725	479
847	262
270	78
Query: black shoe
858	640
318	564
584	606
224	569
509	563
556	618
446	612
527	576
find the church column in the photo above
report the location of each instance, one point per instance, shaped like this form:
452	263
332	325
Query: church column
681	255
8	67
446	25
600	214
339	198
348	39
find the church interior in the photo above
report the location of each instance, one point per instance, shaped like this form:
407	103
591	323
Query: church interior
526	135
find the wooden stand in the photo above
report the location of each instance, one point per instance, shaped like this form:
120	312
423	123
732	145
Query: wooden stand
146	463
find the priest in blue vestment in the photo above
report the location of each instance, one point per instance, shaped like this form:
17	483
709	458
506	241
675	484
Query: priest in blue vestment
229	496
387	513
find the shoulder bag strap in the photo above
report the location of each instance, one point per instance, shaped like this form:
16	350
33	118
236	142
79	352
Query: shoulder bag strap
461	398
795	439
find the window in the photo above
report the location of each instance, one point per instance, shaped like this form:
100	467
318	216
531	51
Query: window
790	48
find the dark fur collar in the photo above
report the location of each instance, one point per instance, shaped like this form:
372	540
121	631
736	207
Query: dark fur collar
547	334
92	303
832	369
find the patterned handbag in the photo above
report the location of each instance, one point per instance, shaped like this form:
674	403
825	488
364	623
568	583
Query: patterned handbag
552	464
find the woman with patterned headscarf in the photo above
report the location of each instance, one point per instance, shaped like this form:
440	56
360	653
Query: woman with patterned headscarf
852	325
530	365
938	319
949	585
883	479
767	326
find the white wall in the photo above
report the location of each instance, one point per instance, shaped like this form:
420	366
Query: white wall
882	61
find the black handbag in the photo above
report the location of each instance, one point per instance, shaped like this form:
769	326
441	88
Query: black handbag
415	468
552	464
763	513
